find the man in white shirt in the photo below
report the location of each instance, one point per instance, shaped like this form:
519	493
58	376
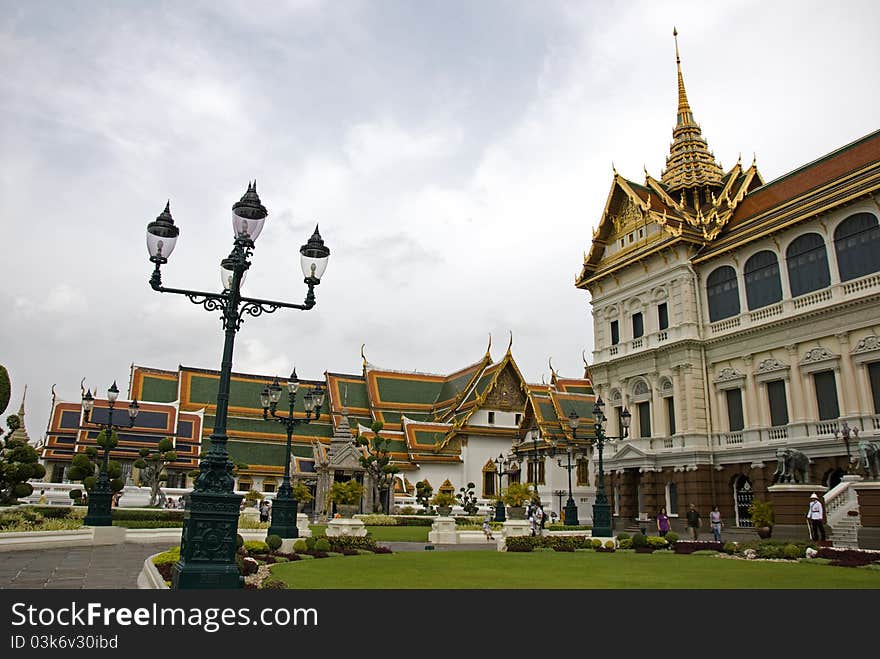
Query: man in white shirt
816	515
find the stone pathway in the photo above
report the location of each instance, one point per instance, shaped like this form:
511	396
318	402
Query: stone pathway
109	566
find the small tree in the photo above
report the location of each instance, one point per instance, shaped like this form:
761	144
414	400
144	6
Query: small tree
19	462
467	499
85	466
152	465
377	463
424	492
301	492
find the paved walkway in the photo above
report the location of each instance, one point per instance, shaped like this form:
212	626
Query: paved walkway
109	566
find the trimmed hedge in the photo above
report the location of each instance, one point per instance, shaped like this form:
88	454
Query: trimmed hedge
525	543
160	514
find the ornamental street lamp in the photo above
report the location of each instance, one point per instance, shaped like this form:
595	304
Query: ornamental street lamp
501	467
559	494
101	496
284	508
845	431
535	453
602	509
207	549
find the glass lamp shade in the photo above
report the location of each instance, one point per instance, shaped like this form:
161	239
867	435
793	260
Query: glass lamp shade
248	215
226	276
274	391
319	398
88	401
574	420
293	382
314	256
309	402
113	393
264	398
133	409
625	418
162	235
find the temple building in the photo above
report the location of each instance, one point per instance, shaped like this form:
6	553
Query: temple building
734	317
447	429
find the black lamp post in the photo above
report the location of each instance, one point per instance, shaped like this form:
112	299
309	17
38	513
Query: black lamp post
559	494
284	508
207	549
101	496
501	466
845	431
602	526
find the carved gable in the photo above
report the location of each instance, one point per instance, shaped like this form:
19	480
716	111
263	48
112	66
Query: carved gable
506	395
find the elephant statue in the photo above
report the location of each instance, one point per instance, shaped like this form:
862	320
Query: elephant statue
791	466
869	458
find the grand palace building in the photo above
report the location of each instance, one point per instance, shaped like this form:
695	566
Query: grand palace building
734	317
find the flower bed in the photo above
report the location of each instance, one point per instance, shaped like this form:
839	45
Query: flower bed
849	557
690	546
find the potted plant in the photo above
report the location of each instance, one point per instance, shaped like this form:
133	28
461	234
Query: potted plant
346	496
762	517
444	502
252	498
516	496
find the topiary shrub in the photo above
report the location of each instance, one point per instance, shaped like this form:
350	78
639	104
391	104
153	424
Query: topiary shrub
596	543
792	551
609	544
273	584
730	547
639	541
770	550
310	543
623	536
256	547
273	542
626	543
300	546
656	542
672	537
322	545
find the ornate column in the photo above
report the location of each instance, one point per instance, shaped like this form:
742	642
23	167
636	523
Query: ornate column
677	401
799	405
656	426
752	414
853	405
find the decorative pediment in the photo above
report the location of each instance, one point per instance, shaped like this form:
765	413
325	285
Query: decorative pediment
630	452
770	365
728	374
507	393
628	216
868	344
818	355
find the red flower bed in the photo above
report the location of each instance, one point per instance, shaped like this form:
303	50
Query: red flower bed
165	570
690	546
848	557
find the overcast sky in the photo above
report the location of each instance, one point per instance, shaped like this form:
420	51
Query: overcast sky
457	156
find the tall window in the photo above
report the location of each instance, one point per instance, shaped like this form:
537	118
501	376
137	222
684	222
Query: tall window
536	471
857	243
583	472
491	418
615	333
671	499
778	403
662	316
734	409
644	419
638	325
762	280
489	478
826	395
874	375
807	264
670	414
722	293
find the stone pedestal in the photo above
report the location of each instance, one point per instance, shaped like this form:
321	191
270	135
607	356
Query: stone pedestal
252	512
345	526
791	501
302	523
108	535
443	531
511	529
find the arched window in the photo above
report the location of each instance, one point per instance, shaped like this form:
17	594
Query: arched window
857	243
722	293
807	264
762	280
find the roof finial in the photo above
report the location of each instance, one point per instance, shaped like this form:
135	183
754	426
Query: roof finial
553	372
21	409
684	109
489	347
510	345
363	356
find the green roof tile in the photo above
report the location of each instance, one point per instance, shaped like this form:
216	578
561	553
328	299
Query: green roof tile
159	390
407	391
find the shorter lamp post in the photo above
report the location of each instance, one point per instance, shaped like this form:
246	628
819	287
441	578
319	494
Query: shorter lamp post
559	494
501	466
601	509
845	431
99	513
284	508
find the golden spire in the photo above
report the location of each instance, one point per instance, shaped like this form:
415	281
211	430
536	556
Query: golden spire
690	164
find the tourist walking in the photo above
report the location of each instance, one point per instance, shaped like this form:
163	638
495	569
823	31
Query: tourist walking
715	523
539	520
694	521
264	511
816	517
662	523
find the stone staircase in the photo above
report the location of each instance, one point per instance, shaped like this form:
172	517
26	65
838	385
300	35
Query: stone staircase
840	504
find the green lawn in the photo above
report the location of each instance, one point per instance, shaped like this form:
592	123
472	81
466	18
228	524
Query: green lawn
387	533
460	569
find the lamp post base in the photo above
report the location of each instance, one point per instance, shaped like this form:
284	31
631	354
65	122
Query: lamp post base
602	520
500	515
284	511
208	543
99	513
571	513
